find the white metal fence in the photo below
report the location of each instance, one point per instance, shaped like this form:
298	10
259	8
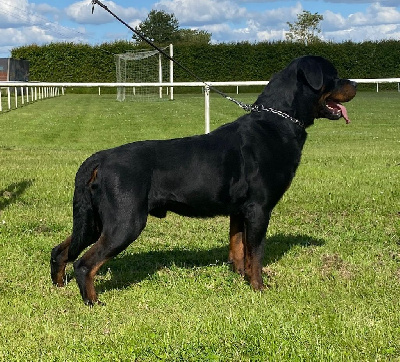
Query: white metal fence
17	93
26	92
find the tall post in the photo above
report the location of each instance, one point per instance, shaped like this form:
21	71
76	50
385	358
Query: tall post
171	71
160	72
207	108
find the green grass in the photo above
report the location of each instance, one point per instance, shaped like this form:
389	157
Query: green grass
332	260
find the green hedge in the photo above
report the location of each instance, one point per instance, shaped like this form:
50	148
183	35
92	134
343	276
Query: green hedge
220	62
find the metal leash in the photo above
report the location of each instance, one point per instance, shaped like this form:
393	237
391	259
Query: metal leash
246	107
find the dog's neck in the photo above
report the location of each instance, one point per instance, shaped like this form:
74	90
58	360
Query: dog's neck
261	108
287	102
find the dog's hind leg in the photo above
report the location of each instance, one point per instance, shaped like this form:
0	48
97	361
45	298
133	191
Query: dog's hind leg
58	262
109	244
83	235
86	230
236	246
61	255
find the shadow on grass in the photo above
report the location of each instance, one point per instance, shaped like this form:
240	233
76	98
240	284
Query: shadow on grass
133	268
11	193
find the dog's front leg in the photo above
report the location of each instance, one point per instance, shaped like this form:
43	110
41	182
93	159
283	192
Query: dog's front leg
236	246
254	242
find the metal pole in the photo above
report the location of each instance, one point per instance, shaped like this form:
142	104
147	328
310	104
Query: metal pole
207	108
160	72
171	71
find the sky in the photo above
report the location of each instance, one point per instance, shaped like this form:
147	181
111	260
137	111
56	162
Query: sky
25	22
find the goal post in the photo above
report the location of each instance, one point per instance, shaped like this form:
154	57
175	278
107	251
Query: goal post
144	66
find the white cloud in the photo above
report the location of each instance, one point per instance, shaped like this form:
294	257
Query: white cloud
349	2
23	22
16	13
376	23
271	25
279	16
28	35
218	31
192	12
227	22
365	33
271	35
81	13
45	9
378	14
333	21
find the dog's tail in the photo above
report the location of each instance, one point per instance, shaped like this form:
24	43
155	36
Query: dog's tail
86	222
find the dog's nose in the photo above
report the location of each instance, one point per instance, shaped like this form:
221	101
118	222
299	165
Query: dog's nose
354	84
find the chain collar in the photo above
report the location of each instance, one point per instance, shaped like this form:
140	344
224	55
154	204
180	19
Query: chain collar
261	108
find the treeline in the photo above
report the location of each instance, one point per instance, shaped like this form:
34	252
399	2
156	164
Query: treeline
69	62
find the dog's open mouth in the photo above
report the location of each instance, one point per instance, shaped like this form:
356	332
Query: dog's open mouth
337	110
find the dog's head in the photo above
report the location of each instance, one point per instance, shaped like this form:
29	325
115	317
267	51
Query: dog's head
309	88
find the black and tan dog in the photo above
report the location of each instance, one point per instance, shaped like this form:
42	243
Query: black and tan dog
241	169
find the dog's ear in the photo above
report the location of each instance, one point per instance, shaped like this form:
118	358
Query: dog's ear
312	71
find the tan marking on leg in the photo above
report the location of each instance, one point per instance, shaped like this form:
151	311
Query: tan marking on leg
253	267
89	283
59	263
236	244
94	176
89	278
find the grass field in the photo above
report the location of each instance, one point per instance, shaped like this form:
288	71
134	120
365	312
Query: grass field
332	260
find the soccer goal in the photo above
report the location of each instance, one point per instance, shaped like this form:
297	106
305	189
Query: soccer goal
144	66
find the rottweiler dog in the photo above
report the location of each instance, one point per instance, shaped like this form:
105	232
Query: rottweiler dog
241	169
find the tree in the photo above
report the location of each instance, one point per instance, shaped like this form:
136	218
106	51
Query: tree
192	36
306	28
159	26
163	28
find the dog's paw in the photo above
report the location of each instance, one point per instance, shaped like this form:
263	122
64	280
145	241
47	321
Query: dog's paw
92	303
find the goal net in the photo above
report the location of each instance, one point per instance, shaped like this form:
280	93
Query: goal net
143	66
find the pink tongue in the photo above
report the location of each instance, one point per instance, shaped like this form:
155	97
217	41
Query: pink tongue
344	112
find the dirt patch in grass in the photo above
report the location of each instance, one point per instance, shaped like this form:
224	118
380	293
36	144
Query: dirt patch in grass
334	266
